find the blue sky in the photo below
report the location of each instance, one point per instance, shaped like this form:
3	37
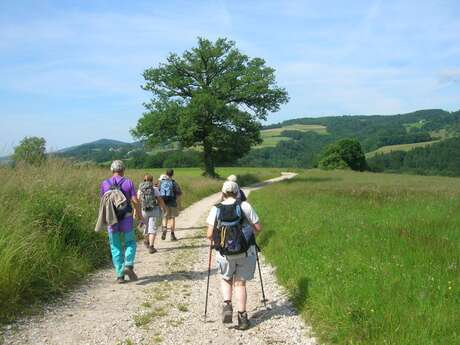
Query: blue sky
70	71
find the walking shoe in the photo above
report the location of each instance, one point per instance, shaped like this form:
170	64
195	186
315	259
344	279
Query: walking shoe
121	280
243	322
152	250
227	312
129	271
163	234
173	236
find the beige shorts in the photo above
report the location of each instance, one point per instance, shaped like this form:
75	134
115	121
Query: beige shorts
171	212
240	267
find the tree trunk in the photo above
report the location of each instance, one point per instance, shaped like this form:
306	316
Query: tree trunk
208	161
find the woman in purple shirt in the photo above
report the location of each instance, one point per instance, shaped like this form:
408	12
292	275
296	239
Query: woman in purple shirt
124	229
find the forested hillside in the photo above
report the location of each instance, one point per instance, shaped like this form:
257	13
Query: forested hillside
300	143
375	131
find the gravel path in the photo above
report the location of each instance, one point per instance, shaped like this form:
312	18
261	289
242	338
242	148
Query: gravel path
166	304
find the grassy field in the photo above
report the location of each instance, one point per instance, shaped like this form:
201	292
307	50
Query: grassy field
47	238
401	147
368	258
271	137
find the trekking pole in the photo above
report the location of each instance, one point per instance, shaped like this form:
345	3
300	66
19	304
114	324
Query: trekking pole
260	275
207	287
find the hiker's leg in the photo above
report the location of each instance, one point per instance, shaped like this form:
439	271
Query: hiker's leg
240	294
152	229
226	287
117	255
130	248
173	224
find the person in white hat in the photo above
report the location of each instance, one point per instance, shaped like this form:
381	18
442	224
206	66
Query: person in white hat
236	264
240	196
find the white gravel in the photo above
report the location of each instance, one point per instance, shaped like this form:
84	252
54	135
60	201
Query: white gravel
166	304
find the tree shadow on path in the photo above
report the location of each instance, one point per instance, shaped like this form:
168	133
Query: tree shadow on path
175	276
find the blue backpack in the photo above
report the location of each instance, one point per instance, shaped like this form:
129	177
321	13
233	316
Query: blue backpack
167	191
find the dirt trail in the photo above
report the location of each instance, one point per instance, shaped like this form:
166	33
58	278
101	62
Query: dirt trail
166	304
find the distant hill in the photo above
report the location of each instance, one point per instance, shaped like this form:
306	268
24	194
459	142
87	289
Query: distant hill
299	142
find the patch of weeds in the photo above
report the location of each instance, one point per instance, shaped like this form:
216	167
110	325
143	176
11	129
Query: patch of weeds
141	320
126	342
146	304
157	339
182	307
176	323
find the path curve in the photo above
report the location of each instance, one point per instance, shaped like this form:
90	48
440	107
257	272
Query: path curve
166	304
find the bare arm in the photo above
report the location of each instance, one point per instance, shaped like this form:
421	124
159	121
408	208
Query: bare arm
257	228
161	203
209	232
137	209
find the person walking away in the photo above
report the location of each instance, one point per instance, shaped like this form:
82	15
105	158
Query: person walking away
151	202
123	231
171	193
232	226
240	196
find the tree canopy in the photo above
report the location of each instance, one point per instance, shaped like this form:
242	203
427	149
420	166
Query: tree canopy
30	150
211	97
344	154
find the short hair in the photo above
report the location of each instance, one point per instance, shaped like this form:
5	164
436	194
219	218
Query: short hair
148	178
170	172
117	166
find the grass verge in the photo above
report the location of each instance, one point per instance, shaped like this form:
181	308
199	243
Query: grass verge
367	258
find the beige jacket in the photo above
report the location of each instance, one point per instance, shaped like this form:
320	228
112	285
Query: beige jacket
107	215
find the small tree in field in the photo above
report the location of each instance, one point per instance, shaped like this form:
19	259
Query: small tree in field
344	154
212	96
30	150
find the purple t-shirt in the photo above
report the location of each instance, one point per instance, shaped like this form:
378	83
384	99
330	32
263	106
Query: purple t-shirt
128	189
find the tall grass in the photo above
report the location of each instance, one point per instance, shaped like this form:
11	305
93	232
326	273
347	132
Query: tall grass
48	213
368	258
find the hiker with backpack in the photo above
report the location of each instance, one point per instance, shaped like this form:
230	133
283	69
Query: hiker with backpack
121	190
151	202
232	226
170	192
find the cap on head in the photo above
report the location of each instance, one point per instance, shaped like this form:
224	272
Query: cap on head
232	178
230	187
163	177
117	166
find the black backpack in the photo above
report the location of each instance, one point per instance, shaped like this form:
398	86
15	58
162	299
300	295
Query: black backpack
228	235
123	209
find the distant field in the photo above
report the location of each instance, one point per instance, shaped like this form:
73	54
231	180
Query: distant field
368	259
271	137
401	147
47	218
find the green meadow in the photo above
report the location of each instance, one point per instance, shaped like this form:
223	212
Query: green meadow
271	137
48	213
367	258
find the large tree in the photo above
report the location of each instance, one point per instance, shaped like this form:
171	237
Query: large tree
211	97
30	150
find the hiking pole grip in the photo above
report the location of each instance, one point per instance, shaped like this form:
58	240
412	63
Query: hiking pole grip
260	275
207	285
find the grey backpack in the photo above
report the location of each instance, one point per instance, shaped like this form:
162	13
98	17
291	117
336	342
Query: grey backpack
147	193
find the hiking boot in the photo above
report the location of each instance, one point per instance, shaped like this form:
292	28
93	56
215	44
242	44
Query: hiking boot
129	271
163	234
121	280
152	250
173	236
243	322
227	312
